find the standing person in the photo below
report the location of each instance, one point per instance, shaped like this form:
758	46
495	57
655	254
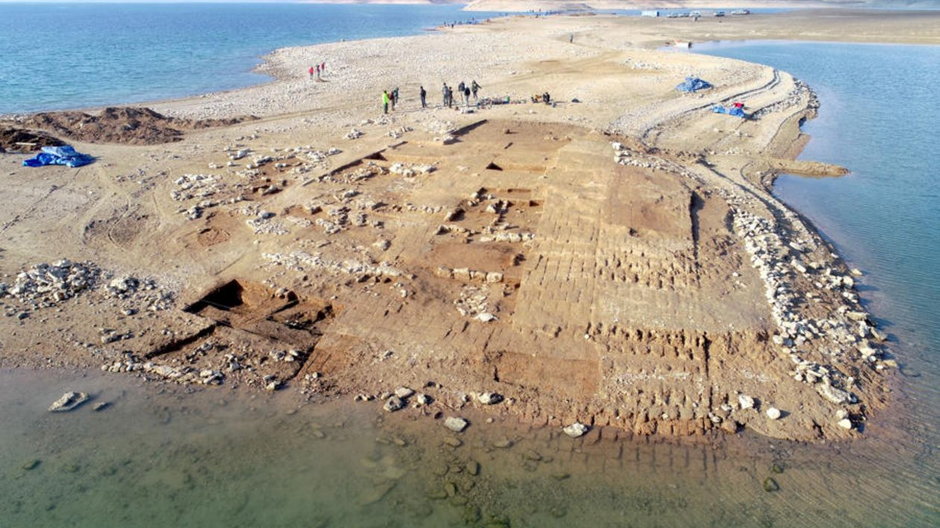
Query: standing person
444	95
310	71
385	100
323	67
423	94
394	97
466	96
474	87
318	71
450	97
460	88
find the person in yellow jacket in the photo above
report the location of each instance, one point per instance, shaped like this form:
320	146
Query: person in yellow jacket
385	100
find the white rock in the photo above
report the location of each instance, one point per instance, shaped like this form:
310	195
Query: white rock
845	423
455	424
403	392
773	413
576	430
745	401
69	401
393	404
489	398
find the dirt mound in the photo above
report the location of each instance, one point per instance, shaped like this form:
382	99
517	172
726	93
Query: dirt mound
19	140
127	125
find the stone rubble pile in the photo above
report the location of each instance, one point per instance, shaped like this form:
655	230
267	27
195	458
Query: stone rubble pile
45	285
472	302
409	171
184	374
303	261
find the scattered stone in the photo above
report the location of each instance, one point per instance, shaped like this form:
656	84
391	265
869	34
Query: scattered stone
453	441
473	467
31	464
489	398
745	401
576	430
393	404
403	392
845	423
834	395
68	402
773	413
100	406
456	424
770	485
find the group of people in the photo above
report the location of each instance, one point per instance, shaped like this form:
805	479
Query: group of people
318	69
390	97
463	90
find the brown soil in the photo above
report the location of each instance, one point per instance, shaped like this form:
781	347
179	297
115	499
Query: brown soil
126	125
19	140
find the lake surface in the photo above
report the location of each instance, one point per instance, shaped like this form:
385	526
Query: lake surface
160	457
55	56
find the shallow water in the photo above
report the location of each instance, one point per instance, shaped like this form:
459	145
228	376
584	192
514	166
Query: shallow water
75	55
159	457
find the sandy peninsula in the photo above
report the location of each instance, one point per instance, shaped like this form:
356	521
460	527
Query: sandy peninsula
613	259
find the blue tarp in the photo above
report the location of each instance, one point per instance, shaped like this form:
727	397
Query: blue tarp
64	155
733	110
693	84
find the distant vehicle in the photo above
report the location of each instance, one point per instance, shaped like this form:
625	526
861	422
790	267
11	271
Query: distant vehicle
741	12
695	14
719	13
683	14
672	15
650	13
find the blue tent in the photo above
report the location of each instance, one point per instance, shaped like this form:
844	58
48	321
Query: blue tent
693	84
64	155
732	110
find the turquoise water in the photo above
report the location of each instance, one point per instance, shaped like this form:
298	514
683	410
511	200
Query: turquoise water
878	118
55	56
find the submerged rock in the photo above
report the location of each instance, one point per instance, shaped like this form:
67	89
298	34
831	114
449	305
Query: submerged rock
456	424
771	485
68	402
